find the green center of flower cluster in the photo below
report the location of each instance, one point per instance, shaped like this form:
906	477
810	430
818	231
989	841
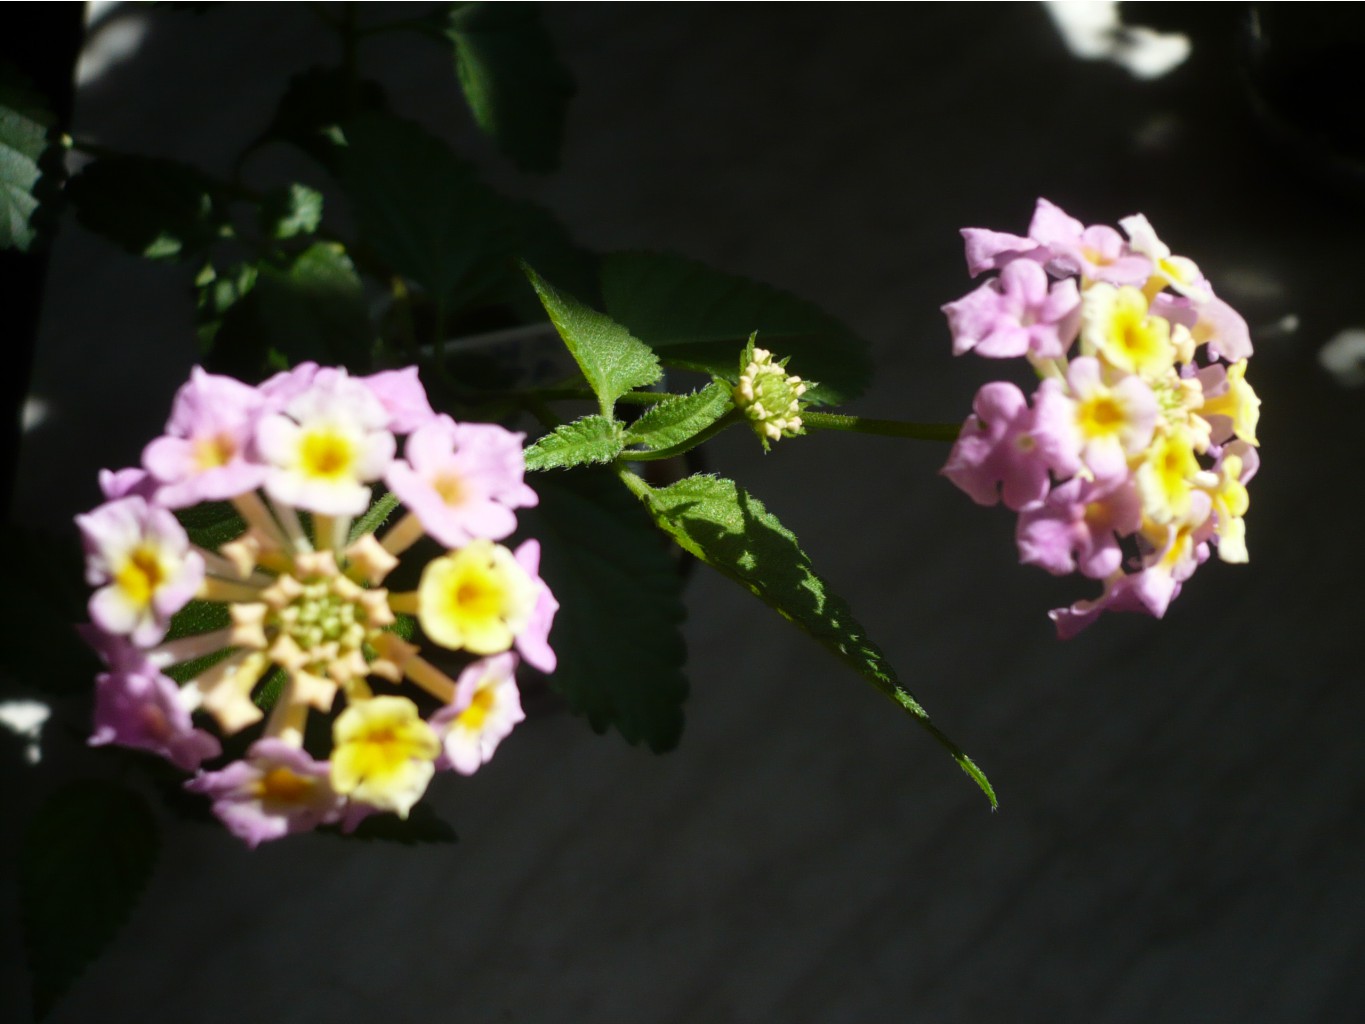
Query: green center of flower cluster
320	615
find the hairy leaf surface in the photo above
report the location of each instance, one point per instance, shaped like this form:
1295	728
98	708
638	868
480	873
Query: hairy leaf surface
592	439
721	524
613	360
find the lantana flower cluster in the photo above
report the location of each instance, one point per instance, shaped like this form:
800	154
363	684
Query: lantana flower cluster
303	614
1129	462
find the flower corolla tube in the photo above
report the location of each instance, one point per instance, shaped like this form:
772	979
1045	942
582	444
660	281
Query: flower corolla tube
1129	462
280	626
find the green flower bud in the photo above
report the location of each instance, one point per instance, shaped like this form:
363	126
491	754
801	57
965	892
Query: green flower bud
769	396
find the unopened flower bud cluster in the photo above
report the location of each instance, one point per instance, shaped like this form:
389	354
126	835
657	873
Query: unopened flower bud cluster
769	396
303	596
1130	460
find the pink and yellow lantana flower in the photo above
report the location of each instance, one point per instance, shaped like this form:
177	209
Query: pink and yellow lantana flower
1130	462
306	612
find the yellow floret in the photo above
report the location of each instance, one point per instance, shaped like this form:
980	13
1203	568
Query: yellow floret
382	753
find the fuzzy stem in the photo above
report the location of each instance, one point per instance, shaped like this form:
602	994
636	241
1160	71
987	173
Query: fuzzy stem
882	428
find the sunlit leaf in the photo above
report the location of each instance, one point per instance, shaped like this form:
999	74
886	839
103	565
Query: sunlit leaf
612	360
676	420
592	439
291	211
24	124
722	525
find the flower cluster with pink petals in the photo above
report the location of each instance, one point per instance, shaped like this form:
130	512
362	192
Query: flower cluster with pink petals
1130	460
299	636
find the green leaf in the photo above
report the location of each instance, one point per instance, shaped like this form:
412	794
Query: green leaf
676	420
211	524
24	124
313	307
699	318
592	439
512	79
314	104
421	209
195	618
217	292
270	688
291	211
153	208
422	825
613	361
87	855
715	520
38	618
618	631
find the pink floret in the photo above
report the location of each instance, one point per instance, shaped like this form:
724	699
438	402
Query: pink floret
1016	314
136	706
995	455
534	641
248	809
462	481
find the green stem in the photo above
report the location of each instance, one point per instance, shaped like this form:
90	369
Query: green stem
566	394
633	482
882	428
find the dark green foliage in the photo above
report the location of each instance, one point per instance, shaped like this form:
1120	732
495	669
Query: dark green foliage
211	524
313	105
310	307
87	855
421	210
156	209
216	292
512	79
700	318
617	633
716	521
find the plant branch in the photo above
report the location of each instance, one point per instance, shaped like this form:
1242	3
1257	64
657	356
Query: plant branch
882	428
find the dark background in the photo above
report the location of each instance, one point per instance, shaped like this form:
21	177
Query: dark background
1180	831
